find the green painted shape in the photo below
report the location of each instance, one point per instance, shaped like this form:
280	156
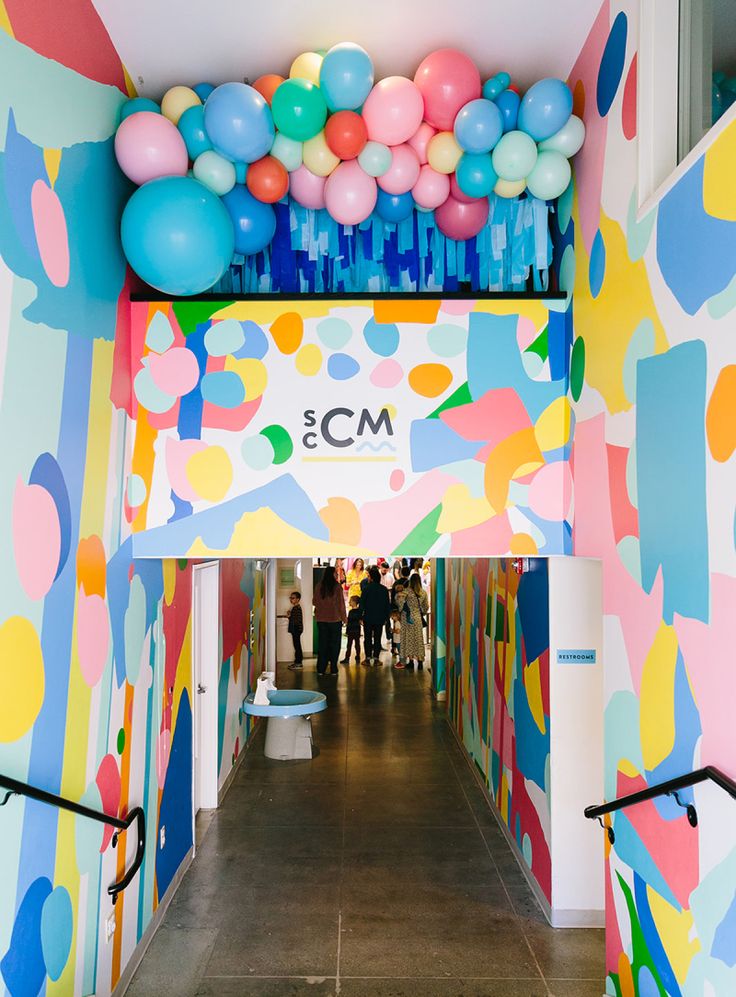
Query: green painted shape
489	614
640	951
577	368
500	620
121	741
460	397
281	442
190	314
423	536
182	563
540	346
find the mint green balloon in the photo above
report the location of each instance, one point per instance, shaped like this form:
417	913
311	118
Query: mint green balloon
287	151
214	171
514	156
550	176
299	109
375	159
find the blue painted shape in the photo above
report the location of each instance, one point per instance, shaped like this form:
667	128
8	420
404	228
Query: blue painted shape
176	802
256	343
22	967
612	65
648	986
652	939
118	592
222	686
47	473
724	939
670	467
559	343
342	367
381	338
682	758
532	747
695	252
433	443
631	850
190	406
57	928
533	603
223	388
597	265
21	165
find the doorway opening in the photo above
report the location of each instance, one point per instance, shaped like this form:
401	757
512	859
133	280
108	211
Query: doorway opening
205	668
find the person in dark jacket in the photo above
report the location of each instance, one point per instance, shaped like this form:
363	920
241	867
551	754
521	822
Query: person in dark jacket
376	606
296	627
330	614
353	629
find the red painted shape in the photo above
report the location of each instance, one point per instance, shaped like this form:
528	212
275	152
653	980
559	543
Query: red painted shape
628	107
108	783
624	515
71	33
233	606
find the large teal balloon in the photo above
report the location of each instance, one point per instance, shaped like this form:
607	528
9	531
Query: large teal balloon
177	235
475	174
191	126
299	109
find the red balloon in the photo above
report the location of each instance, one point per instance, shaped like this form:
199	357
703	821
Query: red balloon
346	134
267	85
512	86
267	180
457	193
447	80
461	221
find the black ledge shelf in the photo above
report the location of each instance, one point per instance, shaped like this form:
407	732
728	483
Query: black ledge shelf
361	296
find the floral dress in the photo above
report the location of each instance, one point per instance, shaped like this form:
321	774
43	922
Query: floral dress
412	637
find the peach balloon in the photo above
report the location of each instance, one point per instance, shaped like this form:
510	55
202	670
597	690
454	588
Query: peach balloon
431	189
393	110
420	140
403	172
350	194
307	189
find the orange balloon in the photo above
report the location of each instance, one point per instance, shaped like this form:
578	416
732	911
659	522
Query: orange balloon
346	134
266	85
267	180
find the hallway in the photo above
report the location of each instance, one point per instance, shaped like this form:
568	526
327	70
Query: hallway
375	869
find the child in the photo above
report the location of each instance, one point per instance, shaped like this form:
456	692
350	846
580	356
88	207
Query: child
296	627
395	632
352	629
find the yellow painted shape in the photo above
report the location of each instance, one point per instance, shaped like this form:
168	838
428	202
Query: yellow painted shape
170	570
430	379
533	686
628	768
460	510
142	464
266	312
130	86
674	928
391	409
608	322
657	698
287	332
534	310
552	428
210	473
720	419
308	360
719	190
253	373
5	24
514	457
522	544
503	801
387	310
342	519
52	162
22	678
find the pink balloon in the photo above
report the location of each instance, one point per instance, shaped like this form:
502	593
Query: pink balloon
431	189
420	140
403	172
148	145
461	221
350	194
306	188
457	193
393	110
447	80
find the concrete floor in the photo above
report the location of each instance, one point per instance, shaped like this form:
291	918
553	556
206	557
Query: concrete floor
374	869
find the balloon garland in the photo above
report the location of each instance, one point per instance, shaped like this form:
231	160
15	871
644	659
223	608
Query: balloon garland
211	162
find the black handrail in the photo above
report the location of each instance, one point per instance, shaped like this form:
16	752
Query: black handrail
669	788
15	788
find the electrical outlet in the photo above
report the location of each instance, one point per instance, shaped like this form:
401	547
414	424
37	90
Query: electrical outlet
109	926
162	835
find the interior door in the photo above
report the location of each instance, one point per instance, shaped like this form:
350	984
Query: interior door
205	669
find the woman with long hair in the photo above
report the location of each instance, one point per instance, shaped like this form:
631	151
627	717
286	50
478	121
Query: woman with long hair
355	576
330	614
412	603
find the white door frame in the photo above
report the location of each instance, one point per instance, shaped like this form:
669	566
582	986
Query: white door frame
205	677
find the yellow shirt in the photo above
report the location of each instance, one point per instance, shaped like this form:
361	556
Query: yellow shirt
354	578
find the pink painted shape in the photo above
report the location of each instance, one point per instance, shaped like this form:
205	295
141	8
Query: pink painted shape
491	539
162	756
387	523
36	538
494	417
52	237
526	332
625	516
396	481
628	107
387	374
93	636
175	372
233	419
457	307
708	653
593	536
589	161
178	453
108	783
550	491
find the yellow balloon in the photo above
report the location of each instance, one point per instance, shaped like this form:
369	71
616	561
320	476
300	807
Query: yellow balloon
306	67
318	157
176	101
443	152
509	188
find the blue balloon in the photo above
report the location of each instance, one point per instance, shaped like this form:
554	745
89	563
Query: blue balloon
504	79
253	221
346	77
475	175
239	122
545	109
241	172
191	126
394	207
177	235
508	104
203	90
136	104
492	88
478	126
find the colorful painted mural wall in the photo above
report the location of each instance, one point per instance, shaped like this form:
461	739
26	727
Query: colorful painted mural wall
497	625
654	392
318	427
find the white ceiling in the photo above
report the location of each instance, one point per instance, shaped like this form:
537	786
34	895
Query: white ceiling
165	42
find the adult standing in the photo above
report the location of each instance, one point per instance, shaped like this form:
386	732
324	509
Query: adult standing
396	571
376	612
355	576
387	580
412	603
329	612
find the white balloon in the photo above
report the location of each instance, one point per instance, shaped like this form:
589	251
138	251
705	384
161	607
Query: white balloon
215	172
288	152
568	140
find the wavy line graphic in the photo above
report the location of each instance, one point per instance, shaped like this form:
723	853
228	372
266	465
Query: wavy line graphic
365	445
